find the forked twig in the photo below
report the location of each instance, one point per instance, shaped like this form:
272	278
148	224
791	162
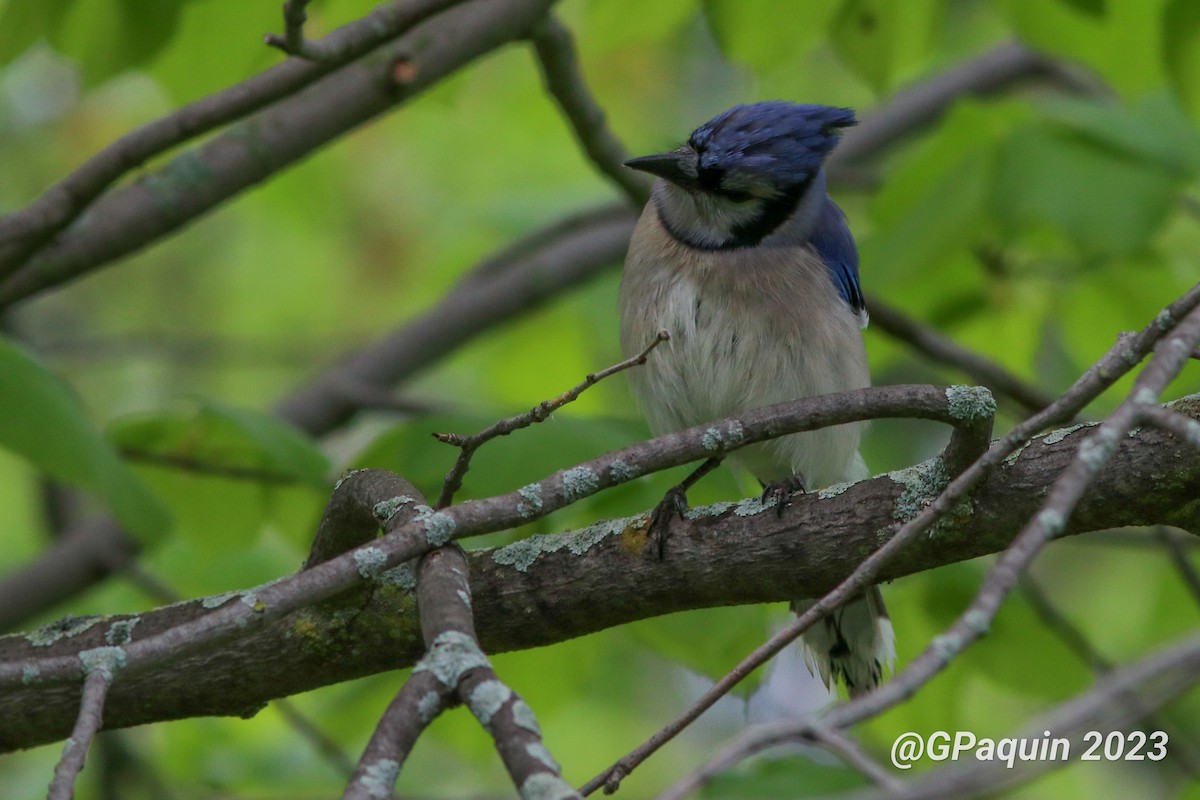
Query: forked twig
539	413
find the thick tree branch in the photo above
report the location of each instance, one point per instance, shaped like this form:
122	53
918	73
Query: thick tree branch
293	125
597	578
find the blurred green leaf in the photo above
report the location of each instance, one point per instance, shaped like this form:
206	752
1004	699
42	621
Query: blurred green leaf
1094	8
782	777
1154	130
1123	44
1181	50
1105	203
218	439
619	23
107	37
883	41
43	420
750	31
24	23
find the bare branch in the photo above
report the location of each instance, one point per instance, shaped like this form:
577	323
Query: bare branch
504	286
293	42
1180	558
99	665
925	339
1126	353
762	737
561	72
1156	680
539	413
909	111
279	126
588	580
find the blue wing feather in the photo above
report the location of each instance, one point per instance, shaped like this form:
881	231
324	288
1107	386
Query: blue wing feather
834	243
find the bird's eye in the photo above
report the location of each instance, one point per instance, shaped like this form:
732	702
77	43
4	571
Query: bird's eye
710	178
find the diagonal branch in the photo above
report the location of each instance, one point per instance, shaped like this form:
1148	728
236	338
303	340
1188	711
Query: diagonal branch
279	125
925	339
300	633
563	76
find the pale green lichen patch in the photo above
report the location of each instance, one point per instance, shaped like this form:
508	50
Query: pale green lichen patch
546	786
712	440
524	717
1164	320
713	510
836	489
579	482
218	600
349	474
466	598
121	632
439	526
538	750
1096	449
30	674
978	621
754	505
384	510
1054	437
56	631
451	655
106	660
379	779
486	699
531	500
428	707
1146	396
521	555
969	403
1012	457
1052	521
922	484
401	576
369	561
620	472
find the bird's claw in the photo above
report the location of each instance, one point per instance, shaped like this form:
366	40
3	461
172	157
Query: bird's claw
673	504
781	492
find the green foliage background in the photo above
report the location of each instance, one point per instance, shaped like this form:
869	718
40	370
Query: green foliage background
1032	227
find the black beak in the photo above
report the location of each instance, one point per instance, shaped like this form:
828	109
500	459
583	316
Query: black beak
669	166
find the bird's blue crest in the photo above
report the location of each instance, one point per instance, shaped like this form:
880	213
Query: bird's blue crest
785	141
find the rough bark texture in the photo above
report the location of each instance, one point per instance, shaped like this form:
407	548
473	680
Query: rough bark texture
557	587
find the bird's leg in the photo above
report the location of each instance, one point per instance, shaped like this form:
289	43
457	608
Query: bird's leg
782	491
674	503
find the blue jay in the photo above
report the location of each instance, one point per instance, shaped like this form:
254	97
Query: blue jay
749	265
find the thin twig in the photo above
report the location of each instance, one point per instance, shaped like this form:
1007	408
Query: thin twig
91	716
539	413
1123	356
926	340
563	76
1183	754
1179	557
32	255
295	14
199	467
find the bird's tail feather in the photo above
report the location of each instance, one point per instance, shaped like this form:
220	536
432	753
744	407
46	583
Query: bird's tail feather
855	643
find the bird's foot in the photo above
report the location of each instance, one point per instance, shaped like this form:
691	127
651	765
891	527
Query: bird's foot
781	492
671	507
674	503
